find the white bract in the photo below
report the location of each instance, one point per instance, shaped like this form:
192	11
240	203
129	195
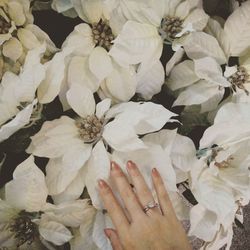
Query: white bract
77	148
18	103
221	183
26	218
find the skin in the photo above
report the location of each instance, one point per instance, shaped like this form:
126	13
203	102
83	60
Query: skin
157	229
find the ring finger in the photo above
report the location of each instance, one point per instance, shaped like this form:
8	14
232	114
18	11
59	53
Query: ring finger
142	191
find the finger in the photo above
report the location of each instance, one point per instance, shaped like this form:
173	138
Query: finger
162	194
114	238
125	190
142	190
113	207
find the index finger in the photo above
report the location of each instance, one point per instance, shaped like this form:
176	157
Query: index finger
114	209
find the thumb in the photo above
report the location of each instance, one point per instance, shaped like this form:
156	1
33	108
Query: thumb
114	238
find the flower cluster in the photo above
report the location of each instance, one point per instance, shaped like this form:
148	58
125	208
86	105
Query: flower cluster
110	92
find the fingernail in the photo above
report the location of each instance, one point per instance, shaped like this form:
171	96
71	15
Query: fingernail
114	166
107	232
102	183
131	165
155	172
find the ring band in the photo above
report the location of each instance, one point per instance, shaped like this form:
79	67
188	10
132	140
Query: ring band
150	205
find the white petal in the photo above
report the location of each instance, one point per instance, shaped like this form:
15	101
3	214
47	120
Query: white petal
237	29
136	43
215	29
122	137
183	153
155	116
28	189
203	222
43	38
79	73
208	69
81	99
27	38
198	18
74	190
62	6
176	58
200	44
61	172
16	12
197	93
54	232
120	85
55	72
214	195
225	130
21	119
102	107
70	214
89	10
222	238
54	138
32	74
144	117
182	75
12	49
80	41
151	81
100	63
98	168
101	222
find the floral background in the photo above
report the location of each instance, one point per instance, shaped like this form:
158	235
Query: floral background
86	82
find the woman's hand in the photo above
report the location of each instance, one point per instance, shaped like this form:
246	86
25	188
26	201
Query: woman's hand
156	229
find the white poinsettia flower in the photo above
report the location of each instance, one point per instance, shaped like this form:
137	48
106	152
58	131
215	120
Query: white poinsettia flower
203	82
173	19
224	153
27	220
19	105
86	137
106	61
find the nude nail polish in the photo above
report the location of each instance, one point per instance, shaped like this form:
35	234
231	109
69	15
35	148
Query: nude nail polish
130	165
155	172
102	183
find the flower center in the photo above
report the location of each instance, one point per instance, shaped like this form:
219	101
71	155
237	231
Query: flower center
224	164
4	26
239	78
90	128
102	35
170	27
24	229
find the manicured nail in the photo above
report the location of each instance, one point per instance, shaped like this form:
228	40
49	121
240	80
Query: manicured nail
155	172
130	165
107	233
114	166
102	183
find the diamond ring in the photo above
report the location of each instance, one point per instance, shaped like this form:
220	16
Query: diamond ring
150	205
